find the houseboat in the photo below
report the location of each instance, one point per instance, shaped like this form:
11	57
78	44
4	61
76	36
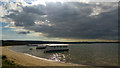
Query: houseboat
56	48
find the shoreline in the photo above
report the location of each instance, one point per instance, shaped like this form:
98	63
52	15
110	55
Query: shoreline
25	59
43	58
47	59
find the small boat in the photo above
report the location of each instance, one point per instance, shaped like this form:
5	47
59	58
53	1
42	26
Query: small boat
32	45
31	49
56	48
41	46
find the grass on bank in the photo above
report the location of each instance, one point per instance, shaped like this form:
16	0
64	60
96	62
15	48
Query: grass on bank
6	62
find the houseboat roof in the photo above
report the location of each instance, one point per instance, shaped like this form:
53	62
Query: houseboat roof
57	45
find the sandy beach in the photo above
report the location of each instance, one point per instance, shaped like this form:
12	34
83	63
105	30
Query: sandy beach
27	60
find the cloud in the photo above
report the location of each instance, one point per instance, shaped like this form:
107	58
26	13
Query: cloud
23	32
73	20
39	9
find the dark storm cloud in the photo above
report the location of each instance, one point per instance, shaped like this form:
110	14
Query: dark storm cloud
22	19
39	9
24	32
70	20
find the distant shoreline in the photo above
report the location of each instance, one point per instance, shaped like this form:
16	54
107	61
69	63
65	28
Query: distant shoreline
18	42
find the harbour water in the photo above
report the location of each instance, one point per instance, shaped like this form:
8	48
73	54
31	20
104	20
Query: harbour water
98	54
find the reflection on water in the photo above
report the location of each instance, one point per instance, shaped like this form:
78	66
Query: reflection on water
102	54
57	57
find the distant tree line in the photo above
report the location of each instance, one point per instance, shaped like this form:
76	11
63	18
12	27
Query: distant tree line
14	42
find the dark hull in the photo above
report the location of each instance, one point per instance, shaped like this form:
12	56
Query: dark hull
60	50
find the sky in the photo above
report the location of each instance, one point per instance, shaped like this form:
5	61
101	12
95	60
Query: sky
59	20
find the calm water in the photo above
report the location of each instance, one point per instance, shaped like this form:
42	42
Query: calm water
100	54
